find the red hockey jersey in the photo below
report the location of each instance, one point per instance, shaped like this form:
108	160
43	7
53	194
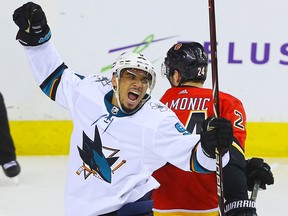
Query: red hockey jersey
183	193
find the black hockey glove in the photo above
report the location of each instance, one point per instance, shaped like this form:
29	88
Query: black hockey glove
32	23
216	133
240	208
256	168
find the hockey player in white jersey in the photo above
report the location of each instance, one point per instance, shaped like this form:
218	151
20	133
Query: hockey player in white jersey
120	134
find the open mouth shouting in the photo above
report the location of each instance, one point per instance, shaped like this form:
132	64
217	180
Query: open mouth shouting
133	85
133	96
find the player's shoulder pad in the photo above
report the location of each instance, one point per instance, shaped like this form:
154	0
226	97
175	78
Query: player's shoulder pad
95	78
94	82
229	98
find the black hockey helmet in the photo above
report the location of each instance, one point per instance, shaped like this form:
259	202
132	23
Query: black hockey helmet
190	59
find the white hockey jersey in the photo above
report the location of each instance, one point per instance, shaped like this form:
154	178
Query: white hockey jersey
112	154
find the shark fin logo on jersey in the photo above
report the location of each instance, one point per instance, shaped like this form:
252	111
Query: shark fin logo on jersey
104	80
94	160
159	106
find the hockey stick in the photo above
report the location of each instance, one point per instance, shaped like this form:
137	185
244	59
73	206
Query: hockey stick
215	87
255	190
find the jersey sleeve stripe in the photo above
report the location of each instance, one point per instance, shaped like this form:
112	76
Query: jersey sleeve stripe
50	84
195	165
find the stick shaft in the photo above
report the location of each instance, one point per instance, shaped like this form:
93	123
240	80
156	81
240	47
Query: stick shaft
219	181
216	109
214	59
255	190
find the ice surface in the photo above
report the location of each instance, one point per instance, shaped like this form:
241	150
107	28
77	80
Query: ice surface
40	188
41	185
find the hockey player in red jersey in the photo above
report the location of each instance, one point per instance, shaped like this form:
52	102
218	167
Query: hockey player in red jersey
183	193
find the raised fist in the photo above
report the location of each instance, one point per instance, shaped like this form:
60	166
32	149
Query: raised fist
32	23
